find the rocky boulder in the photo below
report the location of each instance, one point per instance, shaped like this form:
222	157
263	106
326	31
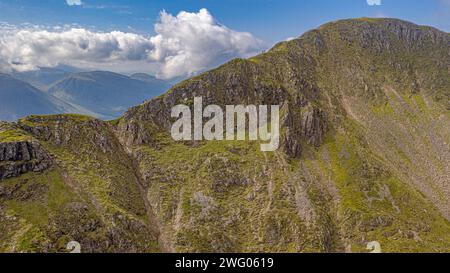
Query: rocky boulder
20	157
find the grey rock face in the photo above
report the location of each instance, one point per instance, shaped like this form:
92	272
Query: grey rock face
236	83
17	158
61	130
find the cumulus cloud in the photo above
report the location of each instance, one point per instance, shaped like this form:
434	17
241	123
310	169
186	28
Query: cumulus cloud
183	44
74	2
374	2
192	41
28	49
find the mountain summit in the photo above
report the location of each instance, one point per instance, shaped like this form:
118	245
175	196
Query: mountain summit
365	107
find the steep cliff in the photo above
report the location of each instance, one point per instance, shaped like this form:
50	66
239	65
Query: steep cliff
365	155
365	110
90	194
20	154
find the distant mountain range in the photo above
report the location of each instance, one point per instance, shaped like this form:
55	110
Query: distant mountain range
19	99
102	94
106	93
45	76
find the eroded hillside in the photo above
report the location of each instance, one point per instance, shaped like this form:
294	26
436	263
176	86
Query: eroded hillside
365	157
89	193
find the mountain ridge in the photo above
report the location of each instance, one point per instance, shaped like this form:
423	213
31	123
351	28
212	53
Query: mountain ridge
102	94
20	99
107	92
365	154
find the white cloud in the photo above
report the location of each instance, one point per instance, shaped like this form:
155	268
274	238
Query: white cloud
191	42
27	49
374	2
183	44
74	2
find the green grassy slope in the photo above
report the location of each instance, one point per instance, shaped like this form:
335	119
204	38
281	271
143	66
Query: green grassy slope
365	157
373	164
91	195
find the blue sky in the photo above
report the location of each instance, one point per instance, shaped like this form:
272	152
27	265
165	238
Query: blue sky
266	21
270	20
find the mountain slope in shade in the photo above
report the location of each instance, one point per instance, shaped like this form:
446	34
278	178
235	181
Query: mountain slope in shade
42	78
146	78
365	157
19	99
106	93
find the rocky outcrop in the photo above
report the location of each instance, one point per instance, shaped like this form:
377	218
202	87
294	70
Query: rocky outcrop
370	151
63	130
303	124
240	82
17	158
